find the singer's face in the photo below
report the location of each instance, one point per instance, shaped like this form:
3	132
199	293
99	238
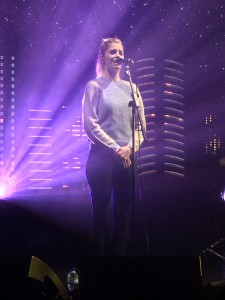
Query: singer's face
114	50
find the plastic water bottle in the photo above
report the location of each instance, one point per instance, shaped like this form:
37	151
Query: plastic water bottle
72	280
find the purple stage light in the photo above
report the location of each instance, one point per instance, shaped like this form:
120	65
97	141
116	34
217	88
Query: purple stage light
6	188
54	46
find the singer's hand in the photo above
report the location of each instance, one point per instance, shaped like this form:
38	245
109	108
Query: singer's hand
124	152
126	163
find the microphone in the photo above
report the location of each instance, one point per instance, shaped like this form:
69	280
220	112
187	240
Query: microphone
120	60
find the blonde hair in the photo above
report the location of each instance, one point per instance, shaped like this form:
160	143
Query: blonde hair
103	47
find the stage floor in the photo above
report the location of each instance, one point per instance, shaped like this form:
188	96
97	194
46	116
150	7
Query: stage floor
57	232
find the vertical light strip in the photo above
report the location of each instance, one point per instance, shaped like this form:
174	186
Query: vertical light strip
161	86
12	113
213	138
40	149
1	114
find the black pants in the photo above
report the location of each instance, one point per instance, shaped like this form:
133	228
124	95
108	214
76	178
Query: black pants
106	175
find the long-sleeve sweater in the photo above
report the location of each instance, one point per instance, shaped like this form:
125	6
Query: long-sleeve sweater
107	114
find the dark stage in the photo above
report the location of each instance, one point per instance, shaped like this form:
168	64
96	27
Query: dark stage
56	231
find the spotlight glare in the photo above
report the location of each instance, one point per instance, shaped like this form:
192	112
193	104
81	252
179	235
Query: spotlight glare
6	187
222	194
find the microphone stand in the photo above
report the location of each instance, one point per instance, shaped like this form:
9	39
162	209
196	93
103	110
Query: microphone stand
135	113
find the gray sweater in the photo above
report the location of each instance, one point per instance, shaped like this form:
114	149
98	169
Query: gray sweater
107	116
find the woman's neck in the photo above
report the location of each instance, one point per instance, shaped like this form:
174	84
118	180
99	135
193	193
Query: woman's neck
111	75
